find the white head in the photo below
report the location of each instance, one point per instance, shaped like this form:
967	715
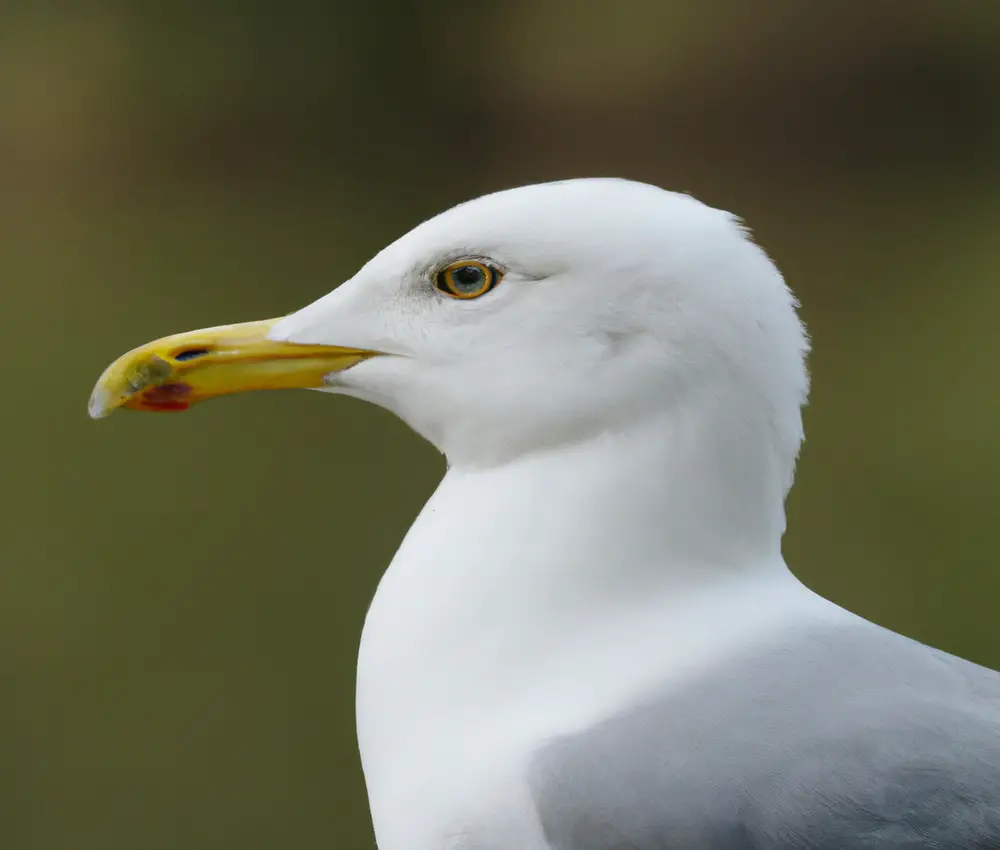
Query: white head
614	303
617	300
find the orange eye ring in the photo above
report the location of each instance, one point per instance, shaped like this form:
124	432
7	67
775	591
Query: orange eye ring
467	279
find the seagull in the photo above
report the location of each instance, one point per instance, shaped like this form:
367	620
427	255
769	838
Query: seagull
589	638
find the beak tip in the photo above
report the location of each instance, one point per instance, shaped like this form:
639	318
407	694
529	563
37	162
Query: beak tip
100	404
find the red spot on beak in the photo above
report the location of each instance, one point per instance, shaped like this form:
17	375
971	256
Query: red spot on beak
167	397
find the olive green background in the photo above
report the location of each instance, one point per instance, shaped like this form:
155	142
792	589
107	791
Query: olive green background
181	596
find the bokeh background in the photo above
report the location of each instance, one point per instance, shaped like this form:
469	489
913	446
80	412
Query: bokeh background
181	596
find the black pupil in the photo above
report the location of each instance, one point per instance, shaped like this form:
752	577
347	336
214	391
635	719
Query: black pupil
468	278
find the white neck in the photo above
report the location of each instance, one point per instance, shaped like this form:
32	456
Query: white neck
593	569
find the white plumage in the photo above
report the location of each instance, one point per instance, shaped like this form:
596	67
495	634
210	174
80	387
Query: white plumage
589	639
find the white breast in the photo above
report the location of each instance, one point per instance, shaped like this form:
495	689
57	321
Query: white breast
504	621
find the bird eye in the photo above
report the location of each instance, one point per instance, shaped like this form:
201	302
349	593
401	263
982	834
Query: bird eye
467	279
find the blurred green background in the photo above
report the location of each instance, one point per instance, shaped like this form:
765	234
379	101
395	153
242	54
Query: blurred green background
181	596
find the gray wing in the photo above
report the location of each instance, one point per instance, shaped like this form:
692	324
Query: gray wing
840	739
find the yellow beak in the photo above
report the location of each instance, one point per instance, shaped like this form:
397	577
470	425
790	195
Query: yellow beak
175	372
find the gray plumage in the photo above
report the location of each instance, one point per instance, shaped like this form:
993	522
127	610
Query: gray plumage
843	738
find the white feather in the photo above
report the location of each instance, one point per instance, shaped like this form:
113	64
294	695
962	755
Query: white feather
621	417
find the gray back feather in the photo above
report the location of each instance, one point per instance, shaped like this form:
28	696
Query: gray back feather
848	738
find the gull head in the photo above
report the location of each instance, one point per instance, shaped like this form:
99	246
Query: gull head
524	320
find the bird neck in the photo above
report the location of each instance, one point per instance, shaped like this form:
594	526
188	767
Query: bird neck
536	594
665	509
683	494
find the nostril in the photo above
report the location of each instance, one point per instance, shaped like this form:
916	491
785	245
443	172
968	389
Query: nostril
190	354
